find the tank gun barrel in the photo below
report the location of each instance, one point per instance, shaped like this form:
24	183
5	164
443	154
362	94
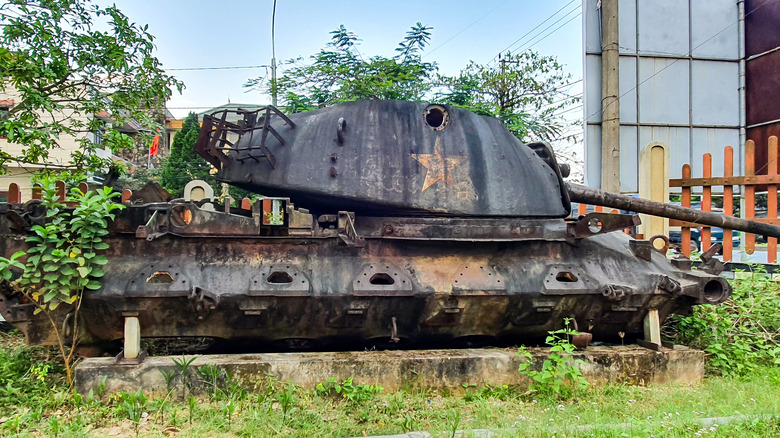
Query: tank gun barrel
587	195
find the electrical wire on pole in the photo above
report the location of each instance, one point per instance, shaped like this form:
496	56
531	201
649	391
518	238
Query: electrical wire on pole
273	57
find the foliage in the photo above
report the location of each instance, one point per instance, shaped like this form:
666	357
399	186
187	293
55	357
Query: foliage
184	371
751	407
523	90
740	335
526	91
64	259
70	60
139	177
560	376
133	406
7	263
340	73
490	391
25	376
287	400
184	165
347	390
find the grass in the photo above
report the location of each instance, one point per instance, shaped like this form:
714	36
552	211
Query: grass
33	404
35	400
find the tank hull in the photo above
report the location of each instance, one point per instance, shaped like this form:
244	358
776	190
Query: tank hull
410	288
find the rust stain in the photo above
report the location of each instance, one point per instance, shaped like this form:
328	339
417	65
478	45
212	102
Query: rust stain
440	168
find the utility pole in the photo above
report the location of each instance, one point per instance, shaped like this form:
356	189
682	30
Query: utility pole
504	95
273	57
610	103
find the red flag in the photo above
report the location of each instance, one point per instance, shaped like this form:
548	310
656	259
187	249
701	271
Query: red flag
155	149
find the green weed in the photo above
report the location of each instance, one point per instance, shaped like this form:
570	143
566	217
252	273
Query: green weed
560	375
348	390
740	335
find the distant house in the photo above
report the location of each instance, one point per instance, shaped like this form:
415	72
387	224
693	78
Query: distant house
21	173
59	157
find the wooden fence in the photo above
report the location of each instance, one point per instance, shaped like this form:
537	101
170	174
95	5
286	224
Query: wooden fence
751	183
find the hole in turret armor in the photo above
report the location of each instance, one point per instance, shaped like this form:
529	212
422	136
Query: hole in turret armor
436	117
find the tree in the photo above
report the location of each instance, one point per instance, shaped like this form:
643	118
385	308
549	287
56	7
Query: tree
70	60
64	261
340	73
527	91
184	165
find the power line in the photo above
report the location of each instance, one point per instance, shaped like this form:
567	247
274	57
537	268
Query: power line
530	31
465	28
218	68
570	109
552	32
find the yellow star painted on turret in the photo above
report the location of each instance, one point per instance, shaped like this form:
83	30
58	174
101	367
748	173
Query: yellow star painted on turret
440	168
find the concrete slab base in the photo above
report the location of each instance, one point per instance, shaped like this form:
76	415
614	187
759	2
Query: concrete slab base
396	370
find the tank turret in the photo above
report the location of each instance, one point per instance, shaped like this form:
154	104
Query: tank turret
387	157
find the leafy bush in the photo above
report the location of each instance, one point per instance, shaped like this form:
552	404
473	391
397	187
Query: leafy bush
347	390
560	375
25	376
740	335
64	260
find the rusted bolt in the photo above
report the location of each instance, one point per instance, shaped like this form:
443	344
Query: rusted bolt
333	172
388	229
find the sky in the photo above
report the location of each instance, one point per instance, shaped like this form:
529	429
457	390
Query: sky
235	33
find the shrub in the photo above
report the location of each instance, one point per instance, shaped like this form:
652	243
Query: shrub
560	375
740	335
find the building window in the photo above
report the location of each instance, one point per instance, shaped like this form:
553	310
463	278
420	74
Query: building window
5	107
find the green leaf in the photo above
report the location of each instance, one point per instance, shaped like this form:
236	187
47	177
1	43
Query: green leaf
100	260
83	271
93	285
101	246
51	277
97	272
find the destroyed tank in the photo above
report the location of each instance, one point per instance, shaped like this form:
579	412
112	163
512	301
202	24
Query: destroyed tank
380	223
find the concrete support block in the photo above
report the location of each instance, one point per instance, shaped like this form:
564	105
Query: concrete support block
396	370
653	327
132	337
